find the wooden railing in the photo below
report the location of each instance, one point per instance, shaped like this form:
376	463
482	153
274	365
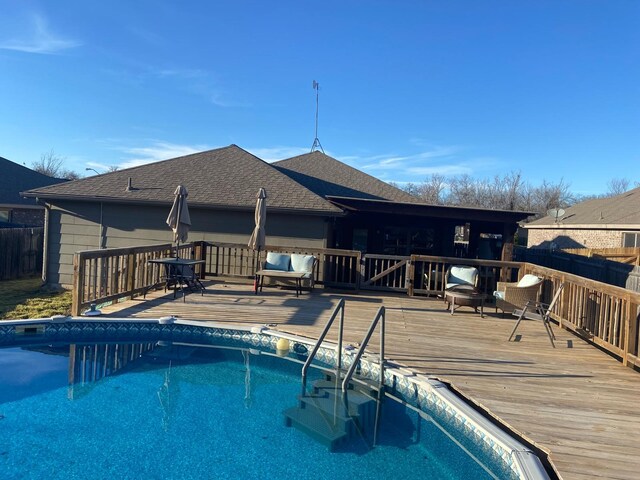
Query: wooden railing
426	274
606	315
335	268
109	274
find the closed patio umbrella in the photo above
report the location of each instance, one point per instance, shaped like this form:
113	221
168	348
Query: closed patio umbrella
258	237
179	219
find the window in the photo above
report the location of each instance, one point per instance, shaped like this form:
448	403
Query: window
630	239
4	215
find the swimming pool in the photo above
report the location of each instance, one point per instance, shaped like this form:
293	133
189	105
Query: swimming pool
183	400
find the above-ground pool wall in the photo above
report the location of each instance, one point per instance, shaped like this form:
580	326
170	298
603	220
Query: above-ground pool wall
77	226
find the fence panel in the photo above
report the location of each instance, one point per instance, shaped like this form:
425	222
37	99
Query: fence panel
20	252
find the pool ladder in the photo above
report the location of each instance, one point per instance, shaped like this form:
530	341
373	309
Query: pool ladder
336	411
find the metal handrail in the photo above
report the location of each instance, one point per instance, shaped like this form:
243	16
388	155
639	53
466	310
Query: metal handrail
379	316
305	367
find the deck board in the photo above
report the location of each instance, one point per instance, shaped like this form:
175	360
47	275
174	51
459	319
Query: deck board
574	401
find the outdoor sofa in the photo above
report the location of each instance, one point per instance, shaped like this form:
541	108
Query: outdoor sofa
287	266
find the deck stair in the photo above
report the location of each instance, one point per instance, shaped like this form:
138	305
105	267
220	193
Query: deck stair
334	418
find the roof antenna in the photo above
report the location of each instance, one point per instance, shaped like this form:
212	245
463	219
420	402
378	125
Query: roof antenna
316	143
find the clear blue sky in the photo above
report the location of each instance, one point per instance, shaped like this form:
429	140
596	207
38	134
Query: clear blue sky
407	88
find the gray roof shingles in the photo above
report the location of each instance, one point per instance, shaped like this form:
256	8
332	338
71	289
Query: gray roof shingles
620	210
327	176
224	177
15	178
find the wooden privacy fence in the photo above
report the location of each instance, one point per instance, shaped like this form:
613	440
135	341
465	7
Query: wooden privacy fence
604	314
629	255
599	269
20	252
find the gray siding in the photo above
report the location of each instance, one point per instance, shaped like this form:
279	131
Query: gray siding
75	227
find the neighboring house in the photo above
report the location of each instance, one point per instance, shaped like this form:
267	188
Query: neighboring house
313	201
600	223
14	209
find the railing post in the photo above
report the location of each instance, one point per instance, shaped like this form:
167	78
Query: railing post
78	284
131	273
629	333
565	300
359	270
363	269
408	281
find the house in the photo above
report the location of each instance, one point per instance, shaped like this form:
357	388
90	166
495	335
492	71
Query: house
599	223
314	201
15	210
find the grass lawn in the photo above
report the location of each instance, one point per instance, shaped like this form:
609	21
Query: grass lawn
25	298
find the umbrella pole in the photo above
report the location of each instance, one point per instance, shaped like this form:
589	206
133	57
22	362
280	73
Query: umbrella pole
255	277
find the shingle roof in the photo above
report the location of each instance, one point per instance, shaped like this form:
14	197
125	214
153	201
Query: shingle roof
227	177
613	212
326	176
15	178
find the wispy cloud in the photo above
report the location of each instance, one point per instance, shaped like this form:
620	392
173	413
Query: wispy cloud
445	170
429	159
277	153
393	161
39	39
199	82
157	151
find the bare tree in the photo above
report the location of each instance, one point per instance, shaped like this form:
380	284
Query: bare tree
513	187
549	195
432	190
113	168
617	186
51	164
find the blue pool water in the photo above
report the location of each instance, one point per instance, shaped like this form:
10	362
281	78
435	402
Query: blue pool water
191	412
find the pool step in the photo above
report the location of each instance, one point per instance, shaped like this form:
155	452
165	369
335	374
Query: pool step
324	415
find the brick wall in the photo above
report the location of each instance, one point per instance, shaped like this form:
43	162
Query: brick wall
574	238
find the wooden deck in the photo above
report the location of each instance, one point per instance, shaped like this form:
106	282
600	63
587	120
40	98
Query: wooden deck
574	401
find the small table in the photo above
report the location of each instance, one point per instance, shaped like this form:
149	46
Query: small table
465	296
179	272
297	276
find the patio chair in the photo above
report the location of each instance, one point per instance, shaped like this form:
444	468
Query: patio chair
539	312
461	276
512	295
184	275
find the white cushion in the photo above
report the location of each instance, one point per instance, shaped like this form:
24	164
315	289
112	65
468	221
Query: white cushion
528	280
277	261
301	263
462	275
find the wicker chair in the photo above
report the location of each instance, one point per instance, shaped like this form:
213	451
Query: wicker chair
513	295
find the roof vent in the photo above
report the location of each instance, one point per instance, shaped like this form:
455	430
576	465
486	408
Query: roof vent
601	216
129	186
